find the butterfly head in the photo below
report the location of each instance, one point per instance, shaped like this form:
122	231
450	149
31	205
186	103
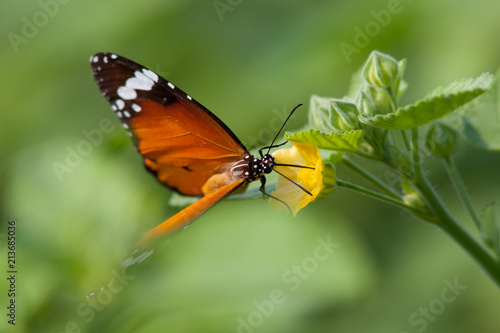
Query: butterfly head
258	167
268	164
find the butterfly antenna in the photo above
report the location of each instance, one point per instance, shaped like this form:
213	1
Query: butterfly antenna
295	166
300	186
284	123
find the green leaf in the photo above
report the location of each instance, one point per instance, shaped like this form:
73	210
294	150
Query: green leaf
335	158
438	103
480	120
253	192
347	142
490	227
181	201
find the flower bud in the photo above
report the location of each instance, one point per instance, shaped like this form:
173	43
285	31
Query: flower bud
441	140
343	116
380	70
416	200
399	86
329	180
365	104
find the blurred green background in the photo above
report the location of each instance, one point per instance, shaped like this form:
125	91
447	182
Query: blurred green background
247	61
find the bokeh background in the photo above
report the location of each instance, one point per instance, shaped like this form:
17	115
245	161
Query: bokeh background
249	62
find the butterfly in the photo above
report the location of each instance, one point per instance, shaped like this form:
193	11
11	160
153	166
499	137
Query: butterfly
183	144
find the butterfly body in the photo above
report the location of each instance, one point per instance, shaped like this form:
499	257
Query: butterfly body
248	168
183	144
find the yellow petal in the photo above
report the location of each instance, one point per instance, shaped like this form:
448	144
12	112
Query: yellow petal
301	154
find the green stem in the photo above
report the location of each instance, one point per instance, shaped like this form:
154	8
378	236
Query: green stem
461	190
461	236
405	139
417	164
370	177
448	223
372	194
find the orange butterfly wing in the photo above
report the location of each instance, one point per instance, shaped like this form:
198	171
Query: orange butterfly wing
182	142
182	146
188	214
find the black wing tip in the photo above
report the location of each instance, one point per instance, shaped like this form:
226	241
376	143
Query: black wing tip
104	58
102	54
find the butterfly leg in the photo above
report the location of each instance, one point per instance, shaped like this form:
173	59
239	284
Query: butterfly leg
262	188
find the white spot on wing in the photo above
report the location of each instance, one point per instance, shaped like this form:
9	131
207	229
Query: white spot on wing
114	56
152	75
105	59
120	104
189	97
144	80
171	85
96	59
140	82
114	107
125	126
126	114
126	92
137	108
119	114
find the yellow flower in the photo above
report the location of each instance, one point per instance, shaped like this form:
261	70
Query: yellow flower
319	181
